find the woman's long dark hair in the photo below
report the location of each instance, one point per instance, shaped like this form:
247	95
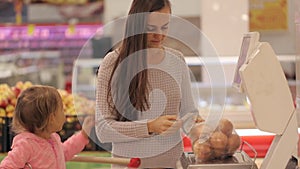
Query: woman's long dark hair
122	100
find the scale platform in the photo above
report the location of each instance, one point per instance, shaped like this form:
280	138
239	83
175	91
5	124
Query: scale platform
240	160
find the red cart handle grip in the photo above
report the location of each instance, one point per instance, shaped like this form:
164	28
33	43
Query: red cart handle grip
134	163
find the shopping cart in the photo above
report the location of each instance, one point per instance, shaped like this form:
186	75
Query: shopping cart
129	162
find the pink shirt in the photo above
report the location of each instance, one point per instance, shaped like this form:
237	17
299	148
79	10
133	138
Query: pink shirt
41	153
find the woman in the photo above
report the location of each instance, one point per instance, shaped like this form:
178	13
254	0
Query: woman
143	91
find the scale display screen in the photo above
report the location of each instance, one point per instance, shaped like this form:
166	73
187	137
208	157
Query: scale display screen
241	60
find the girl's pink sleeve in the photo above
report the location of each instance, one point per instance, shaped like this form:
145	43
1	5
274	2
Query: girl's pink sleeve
18	156
74	145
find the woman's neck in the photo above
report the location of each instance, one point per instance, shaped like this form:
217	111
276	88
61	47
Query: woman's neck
155	55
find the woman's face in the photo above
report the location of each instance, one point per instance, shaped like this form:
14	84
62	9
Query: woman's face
157	27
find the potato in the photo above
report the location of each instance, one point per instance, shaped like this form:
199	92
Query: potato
219	153
202	151
218	140
234	142
226	127
198	130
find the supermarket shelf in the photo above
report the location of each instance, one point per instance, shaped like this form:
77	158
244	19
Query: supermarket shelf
39	54
26	70
89	63
69	41
42	67
6	74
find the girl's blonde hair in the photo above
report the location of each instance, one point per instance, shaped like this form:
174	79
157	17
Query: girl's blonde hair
34	107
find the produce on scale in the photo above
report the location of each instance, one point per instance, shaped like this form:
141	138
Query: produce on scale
209	144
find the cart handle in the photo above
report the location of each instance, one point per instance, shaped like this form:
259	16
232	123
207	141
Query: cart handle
130	162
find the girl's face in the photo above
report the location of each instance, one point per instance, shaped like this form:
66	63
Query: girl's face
57	120
157	27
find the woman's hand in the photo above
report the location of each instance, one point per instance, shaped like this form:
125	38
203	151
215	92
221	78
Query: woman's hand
199	119
88	124
167	124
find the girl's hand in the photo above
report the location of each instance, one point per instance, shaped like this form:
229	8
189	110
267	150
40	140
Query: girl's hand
88	124
167	124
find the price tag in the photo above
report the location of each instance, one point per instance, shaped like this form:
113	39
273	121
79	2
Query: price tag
30	29
71	29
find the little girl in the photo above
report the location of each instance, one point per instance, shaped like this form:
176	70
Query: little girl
38	116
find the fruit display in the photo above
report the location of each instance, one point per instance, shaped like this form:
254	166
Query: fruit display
76	105
73	104
71	126
8	100
5	134
76	108
8	97
218	144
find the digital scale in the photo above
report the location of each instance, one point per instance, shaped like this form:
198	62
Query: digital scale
260	76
